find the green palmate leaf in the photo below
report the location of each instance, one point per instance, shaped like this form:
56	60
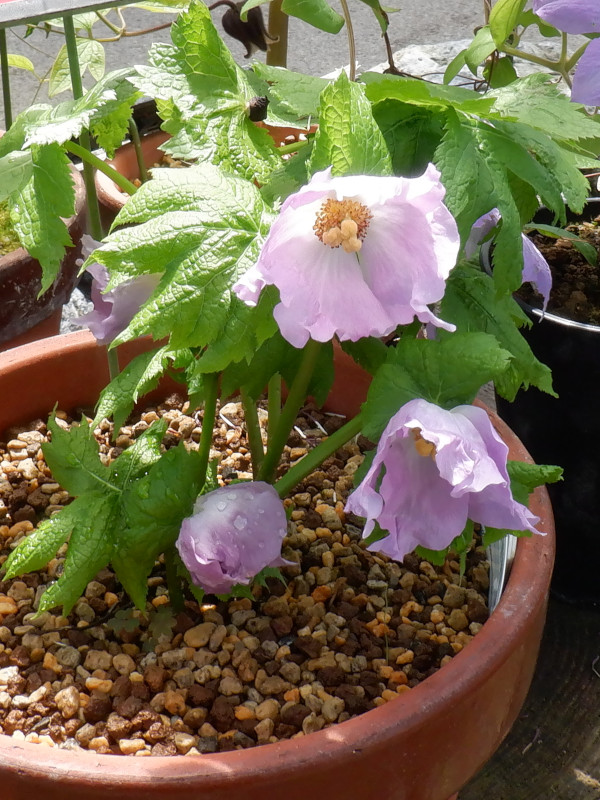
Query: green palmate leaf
109	130
524	478
16	169
471	303
38	206
137	459
91	57
74	458
317	13
537	102
503	19
370	353
294	93
348	138
288	177
90	548
422	93
139	377
203	96
470	190
154	507
35	550
587	250
411	133
209	239
228	139
448	373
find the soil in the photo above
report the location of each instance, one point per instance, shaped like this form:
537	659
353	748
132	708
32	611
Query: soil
348	631
575	283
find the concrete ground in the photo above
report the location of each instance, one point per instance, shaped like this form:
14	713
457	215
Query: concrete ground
310	51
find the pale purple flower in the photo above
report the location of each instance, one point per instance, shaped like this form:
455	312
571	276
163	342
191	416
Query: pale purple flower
434	470
536	269
586	81
578	16
234	533
113	310
356	256
570	16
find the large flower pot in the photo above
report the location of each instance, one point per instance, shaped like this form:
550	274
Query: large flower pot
24	316
423	746
565	430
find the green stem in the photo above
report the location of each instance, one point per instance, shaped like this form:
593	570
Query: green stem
112	355
273	404
543	62
316	457
5	80
137	146
351	40
84	138
253	431
211	383
87	157
176	597
278	29
571	62
292	148
292	406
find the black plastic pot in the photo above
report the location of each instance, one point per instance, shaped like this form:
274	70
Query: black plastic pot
566	431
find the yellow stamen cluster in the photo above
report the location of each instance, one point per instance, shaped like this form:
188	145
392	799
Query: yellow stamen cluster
342	222
422	446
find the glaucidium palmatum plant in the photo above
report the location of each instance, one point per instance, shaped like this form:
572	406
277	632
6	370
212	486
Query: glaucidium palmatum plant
247	268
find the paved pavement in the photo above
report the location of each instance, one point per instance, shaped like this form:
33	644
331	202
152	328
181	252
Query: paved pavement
311	51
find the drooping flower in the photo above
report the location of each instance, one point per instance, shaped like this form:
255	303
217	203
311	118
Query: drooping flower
536	269
586	83
113	310
356	256
578	16
234	533
433	470
570	16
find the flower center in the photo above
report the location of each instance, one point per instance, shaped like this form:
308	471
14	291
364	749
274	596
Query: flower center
342	222
422	446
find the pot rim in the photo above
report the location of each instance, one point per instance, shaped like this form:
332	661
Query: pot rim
541	316
524	595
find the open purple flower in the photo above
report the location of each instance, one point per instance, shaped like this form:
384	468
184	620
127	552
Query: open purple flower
234	532
434	470
356	256
578	16
536	269
113	310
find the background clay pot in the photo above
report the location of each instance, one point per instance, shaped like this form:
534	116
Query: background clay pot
565	430
24	317
423	746
112	199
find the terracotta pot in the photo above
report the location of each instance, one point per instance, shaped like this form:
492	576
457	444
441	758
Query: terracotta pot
112	199
24	317
423	746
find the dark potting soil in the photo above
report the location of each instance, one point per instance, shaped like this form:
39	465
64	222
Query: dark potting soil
349	629
576	283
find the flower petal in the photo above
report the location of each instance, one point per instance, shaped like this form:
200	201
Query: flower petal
570	16
536	270
586	86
